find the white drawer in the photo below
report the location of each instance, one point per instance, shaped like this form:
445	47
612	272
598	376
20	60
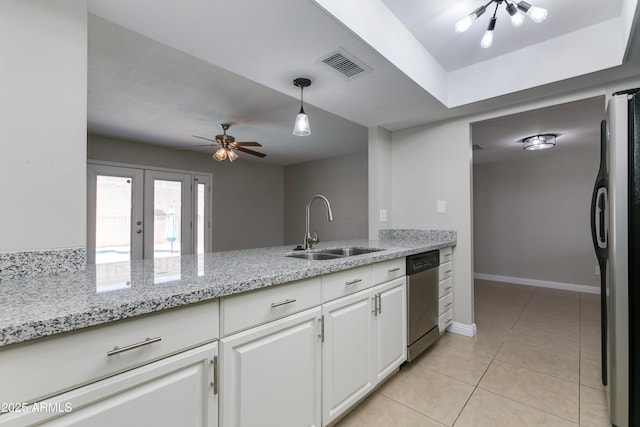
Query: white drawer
34	370
389	270
446	270
254	308
445	320
445	303
446	286
446	254
336	285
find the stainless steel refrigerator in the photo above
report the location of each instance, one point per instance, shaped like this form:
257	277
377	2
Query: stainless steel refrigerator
615	228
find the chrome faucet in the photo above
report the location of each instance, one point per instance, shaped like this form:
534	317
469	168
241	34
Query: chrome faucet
310	240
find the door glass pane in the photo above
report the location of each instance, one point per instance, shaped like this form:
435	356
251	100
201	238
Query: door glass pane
167	217
200	228
113	219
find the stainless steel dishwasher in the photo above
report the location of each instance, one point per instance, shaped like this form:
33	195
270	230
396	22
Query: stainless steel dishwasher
422	302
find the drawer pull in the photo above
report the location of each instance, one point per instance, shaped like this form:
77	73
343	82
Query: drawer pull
393	270
278	304
448	271
447	305
448	288
448	321
353	282
147	341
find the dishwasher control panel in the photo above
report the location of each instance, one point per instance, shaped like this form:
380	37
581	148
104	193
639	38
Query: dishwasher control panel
423	261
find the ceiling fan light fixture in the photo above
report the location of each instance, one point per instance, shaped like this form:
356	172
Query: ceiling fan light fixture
539	142
231	155
220	154
301	126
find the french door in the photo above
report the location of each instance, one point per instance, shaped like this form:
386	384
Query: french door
142	213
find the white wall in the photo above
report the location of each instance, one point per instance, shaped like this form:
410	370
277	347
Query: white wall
532	217
43	82
379	180
343	180
431	163
248	196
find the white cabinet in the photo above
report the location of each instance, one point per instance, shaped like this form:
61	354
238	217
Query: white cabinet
175	391
347	353
270	374
365	340
390	340
445	303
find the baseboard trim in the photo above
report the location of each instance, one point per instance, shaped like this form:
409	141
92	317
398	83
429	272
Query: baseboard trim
540	283
463	329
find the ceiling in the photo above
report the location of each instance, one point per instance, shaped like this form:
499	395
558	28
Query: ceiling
576	126
162	72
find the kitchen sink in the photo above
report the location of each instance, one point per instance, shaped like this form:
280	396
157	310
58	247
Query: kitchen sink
350	251
325	254
313	255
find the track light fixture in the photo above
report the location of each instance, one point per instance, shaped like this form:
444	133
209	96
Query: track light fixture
301	127
515	9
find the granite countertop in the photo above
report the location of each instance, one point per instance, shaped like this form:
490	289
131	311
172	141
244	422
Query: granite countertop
43	306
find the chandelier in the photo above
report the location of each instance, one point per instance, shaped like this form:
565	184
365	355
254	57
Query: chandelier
516	9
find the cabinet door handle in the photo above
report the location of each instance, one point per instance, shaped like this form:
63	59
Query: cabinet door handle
379	304
214	383
278	304
321	320
393	270
353	282
147	341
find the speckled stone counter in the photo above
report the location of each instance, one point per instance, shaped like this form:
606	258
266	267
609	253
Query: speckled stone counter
37	307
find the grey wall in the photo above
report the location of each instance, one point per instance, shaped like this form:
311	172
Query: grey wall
248	197
531	218
343	180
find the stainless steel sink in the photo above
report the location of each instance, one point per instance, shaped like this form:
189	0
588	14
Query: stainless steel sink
313	255
325	254
350	251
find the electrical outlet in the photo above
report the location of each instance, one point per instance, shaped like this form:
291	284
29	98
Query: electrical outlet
383	215
597	270
441	206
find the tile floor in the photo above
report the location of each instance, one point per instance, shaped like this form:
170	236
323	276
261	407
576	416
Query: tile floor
535	362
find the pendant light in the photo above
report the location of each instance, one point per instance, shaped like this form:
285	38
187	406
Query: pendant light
301	127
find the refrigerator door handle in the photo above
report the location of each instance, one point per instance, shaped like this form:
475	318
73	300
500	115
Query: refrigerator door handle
601	225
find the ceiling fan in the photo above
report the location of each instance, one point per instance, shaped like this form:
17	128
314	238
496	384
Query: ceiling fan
227	146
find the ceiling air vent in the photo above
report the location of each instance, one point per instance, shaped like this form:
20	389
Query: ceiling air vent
477	147
345	64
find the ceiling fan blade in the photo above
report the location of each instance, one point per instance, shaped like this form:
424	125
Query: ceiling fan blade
195	146
246	144
246	150
207	139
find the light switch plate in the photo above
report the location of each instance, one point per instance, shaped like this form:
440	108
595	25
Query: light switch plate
441	206
383	215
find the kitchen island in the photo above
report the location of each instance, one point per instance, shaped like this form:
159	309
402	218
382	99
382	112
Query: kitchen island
249	322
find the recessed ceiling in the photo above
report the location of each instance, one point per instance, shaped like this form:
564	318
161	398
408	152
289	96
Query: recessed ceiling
432	23
162	71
